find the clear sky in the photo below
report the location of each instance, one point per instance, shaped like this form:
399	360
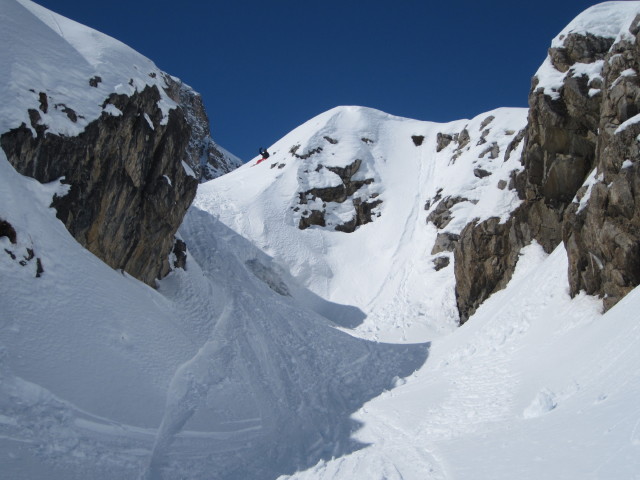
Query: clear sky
265	67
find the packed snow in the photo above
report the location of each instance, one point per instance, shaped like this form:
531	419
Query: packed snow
264	359
610	20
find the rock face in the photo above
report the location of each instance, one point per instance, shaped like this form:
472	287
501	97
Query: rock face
580	182
602	234
203	155
349	191
128	189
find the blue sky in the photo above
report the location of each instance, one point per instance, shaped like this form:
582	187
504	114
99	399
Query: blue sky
265	67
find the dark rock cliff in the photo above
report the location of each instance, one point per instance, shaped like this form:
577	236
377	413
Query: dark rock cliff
203	155
128	188
573	134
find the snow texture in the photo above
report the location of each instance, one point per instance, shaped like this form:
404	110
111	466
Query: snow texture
608	20
262	359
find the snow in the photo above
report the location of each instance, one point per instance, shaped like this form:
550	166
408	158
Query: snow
57	57
627	123
264	358
609	20
259	202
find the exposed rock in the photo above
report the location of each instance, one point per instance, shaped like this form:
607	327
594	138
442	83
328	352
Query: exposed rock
463	139
513	145
442	141
7	230
364	215
493	151
340	193
445	242
311	217
203	155
567	137
579	48
487	121
441	215
440	262
603	239
485	257
95	81
481	173
120	205
294	152
417	139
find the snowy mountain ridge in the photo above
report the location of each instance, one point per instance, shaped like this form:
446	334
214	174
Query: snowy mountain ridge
259	355
408	183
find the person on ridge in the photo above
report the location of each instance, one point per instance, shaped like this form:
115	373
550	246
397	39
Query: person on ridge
264	154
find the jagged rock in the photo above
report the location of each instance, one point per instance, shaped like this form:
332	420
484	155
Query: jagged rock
440	262
7	230
203	155
603	238
481	172
577	47
445	242
463	139
417	139
95	81
442	141
441	215
493	151
486	122
128	188
364	215
484	259
339	194
313	217
514	144
567	136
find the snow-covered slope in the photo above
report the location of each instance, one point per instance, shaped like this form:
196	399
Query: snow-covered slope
61	61
385	267
101	374
248	365
534	386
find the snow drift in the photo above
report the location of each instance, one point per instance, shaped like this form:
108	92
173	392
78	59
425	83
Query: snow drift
262	357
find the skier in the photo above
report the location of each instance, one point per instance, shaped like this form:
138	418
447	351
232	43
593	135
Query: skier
264	154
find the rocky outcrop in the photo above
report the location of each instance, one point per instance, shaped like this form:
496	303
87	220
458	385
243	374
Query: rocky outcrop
203	155
602	233
128	188
348	190
587	128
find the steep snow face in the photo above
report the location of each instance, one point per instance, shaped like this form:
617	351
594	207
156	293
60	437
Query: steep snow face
76	67
403	169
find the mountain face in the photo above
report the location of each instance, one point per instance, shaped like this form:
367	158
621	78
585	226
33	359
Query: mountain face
566	174
579	182
259	353
124	136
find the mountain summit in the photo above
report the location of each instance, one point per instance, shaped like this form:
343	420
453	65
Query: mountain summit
156	327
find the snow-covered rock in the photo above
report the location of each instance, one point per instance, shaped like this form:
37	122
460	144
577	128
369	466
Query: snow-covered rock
84	107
